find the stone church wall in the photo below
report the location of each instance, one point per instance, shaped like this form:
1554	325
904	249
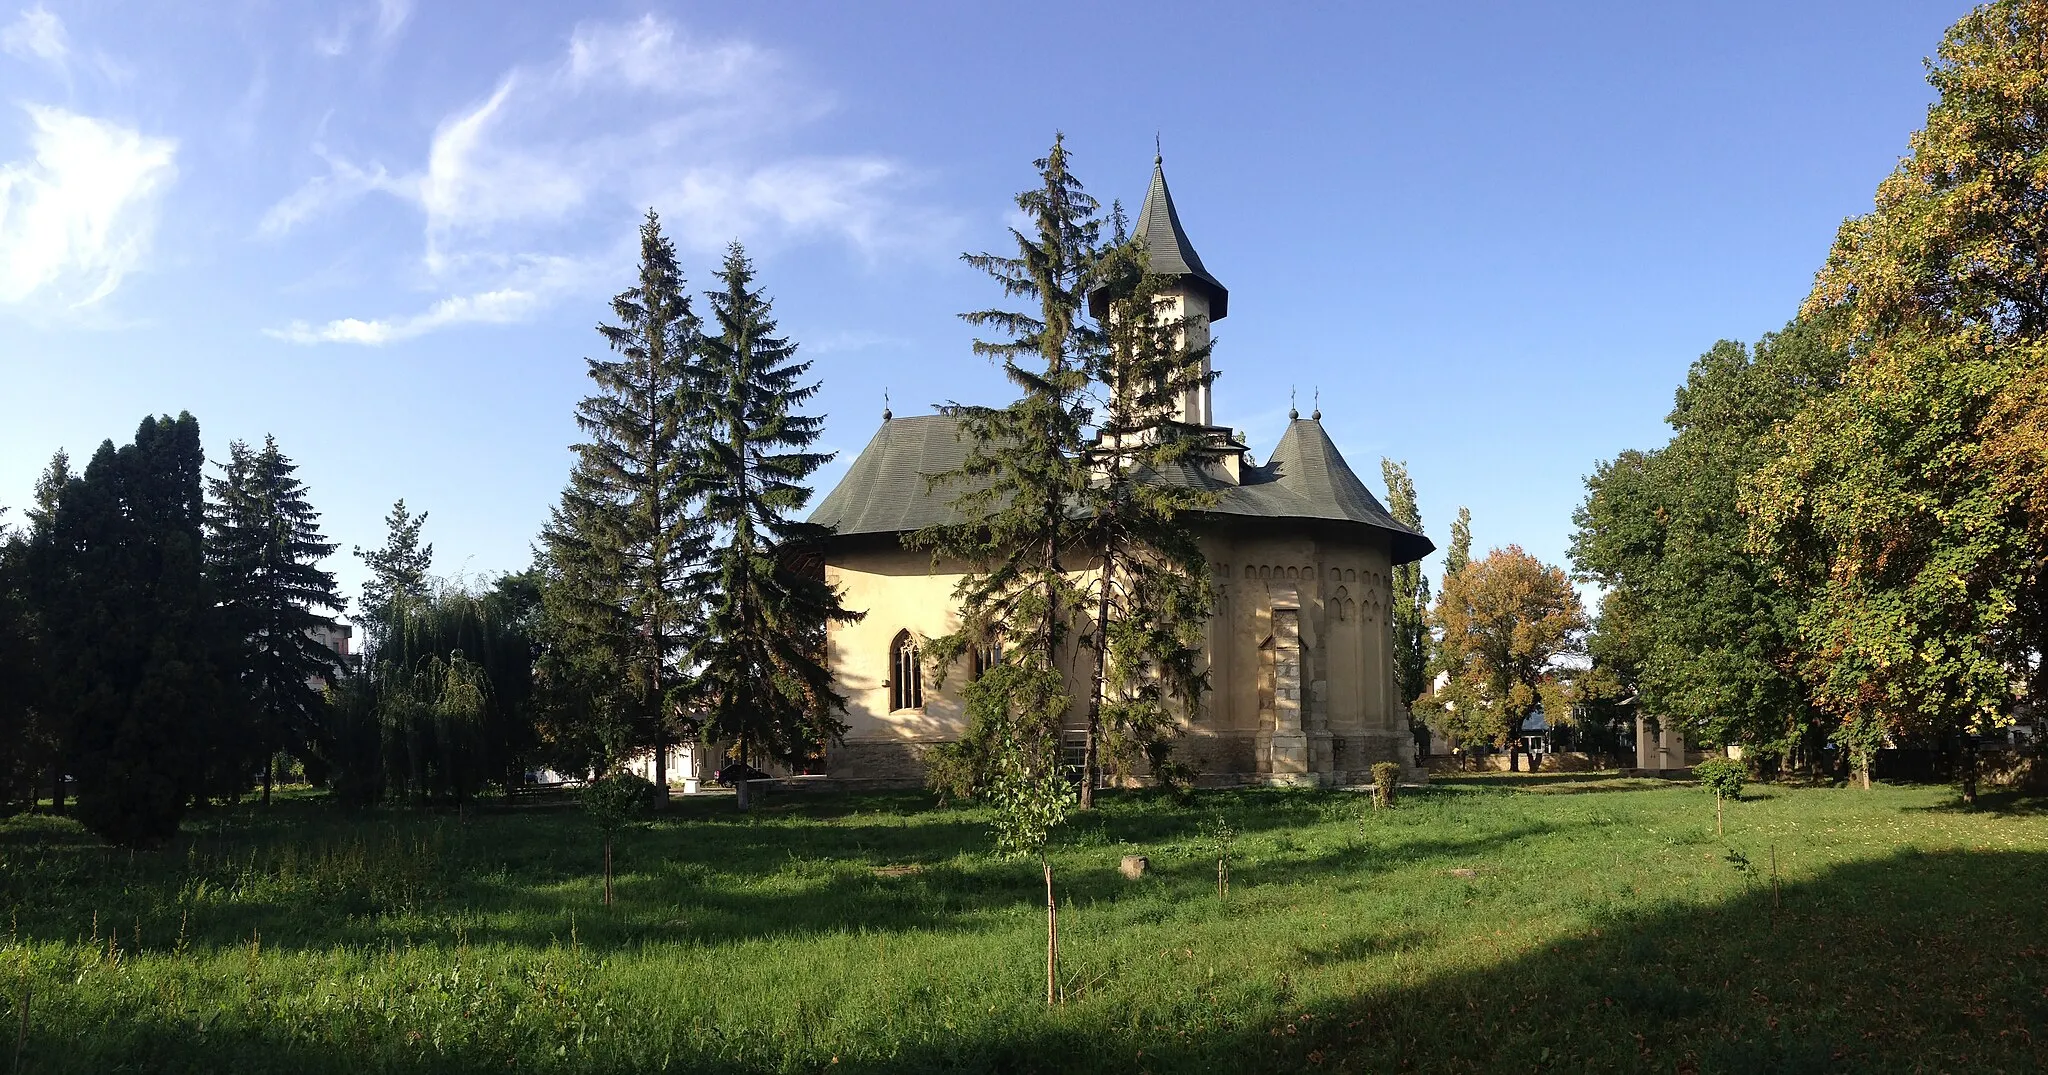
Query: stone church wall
1299	649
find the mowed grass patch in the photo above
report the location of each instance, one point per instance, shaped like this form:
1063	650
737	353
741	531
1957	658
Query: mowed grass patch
1476	926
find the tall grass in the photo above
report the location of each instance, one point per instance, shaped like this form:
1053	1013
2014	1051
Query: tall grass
1471	927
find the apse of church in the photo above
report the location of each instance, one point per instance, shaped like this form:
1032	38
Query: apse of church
1299	648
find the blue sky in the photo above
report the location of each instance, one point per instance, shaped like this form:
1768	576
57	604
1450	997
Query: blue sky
1492	236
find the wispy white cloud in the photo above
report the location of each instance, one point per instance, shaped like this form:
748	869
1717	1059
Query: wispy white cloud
383	19
630	114
36	34
79	213
530	287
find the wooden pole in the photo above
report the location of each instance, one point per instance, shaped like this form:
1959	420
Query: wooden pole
1052	936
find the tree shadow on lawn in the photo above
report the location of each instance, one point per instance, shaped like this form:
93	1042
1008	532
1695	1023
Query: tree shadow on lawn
1915	962
1559	783
529	880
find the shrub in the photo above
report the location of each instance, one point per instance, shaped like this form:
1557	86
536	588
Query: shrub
1722	777
613	802
1386	777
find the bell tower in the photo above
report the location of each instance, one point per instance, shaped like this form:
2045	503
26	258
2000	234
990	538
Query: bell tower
1198	297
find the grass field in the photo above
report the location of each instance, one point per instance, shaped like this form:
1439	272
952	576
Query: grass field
1488	923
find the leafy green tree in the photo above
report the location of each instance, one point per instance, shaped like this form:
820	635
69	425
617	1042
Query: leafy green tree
1723	778
613	802
1716	625
625	539
1459	554
264	552
1409	617
1150	581
1505	623
1888	499
139	653
760	671
399	572
441	709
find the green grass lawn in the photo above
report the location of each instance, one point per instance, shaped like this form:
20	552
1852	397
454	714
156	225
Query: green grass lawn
1488	923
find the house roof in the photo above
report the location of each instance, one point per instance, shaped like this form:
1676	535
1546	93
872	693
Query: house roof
887	491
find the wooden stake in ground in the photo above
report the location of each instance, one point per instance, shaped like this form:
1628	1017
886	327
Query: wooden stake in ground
1052	936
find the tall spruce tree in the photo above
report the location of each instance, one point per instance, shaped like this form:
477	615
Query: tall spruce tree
626	534
1150	606
1016	492
264	556
1025	471
760	673
398	573
1409	618
139	654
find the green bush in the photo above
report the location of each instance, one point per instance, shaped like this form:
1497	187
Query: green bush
1386	777
1721	776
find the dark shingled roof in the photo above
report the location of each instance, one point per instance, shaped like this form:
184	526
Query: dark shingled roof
885	491
1167	243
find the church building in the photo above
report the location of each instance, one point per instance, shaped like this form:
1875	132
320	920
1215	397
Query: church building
1299	648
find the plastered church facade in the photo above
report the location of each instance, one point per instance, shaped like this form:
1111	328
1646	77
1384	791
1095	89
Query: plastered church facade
1299	649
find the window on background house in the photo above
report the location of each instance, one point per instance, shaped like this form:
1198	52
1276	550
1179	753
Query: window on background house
906	675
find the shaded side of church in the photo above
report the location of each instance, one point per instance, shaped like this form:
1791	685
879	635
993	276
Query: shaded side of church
1299	648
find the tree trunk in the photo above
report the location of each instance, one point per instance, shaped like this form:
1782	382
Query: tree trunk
56	787
607	871
1969	769
1717	813
1090	759
1052	936
743	792
269	770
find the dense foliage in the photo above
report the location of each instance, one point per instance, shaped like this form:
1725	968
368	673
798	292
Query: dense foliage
1505	626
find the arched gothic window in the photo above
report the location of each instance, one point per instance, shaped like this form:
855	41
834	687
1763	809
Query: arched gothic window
987	655
906	673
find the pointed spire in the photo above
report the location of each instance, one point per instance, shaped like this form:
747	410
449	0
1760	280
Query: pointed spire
887	415
1317	414
1167	242
1293	412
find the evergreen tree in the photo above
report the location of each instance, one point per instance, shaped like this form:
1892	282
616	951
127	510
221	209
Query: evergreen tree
1026	470
398	573
1150	605
761	677
264	555
19	673
625	538
1409	618
139	654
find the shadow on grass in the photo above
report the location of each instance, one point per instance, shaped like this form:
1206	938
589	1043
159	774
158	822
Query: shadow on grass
1556	783
1917	962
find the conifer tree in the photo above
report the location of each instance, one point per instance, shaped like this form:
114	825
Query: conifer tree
139	655
1150	602
1409	618
398	573
626	537
761	676
1025	471
264	553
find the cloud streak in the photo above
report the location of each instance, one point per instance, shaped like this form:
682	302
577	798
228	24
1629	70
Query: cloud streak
78	214
630	114
36	34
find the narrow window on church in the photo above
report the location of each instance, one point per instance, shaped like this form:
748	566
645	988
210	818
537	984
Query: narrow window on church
906	677
987	655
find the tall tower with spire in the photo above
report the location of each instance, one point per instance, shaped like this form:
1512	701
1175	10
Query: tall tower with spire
1198	297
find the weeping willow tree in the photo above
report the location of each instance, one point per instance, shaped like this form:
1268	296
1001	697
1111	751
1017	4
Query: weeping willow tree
440	710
